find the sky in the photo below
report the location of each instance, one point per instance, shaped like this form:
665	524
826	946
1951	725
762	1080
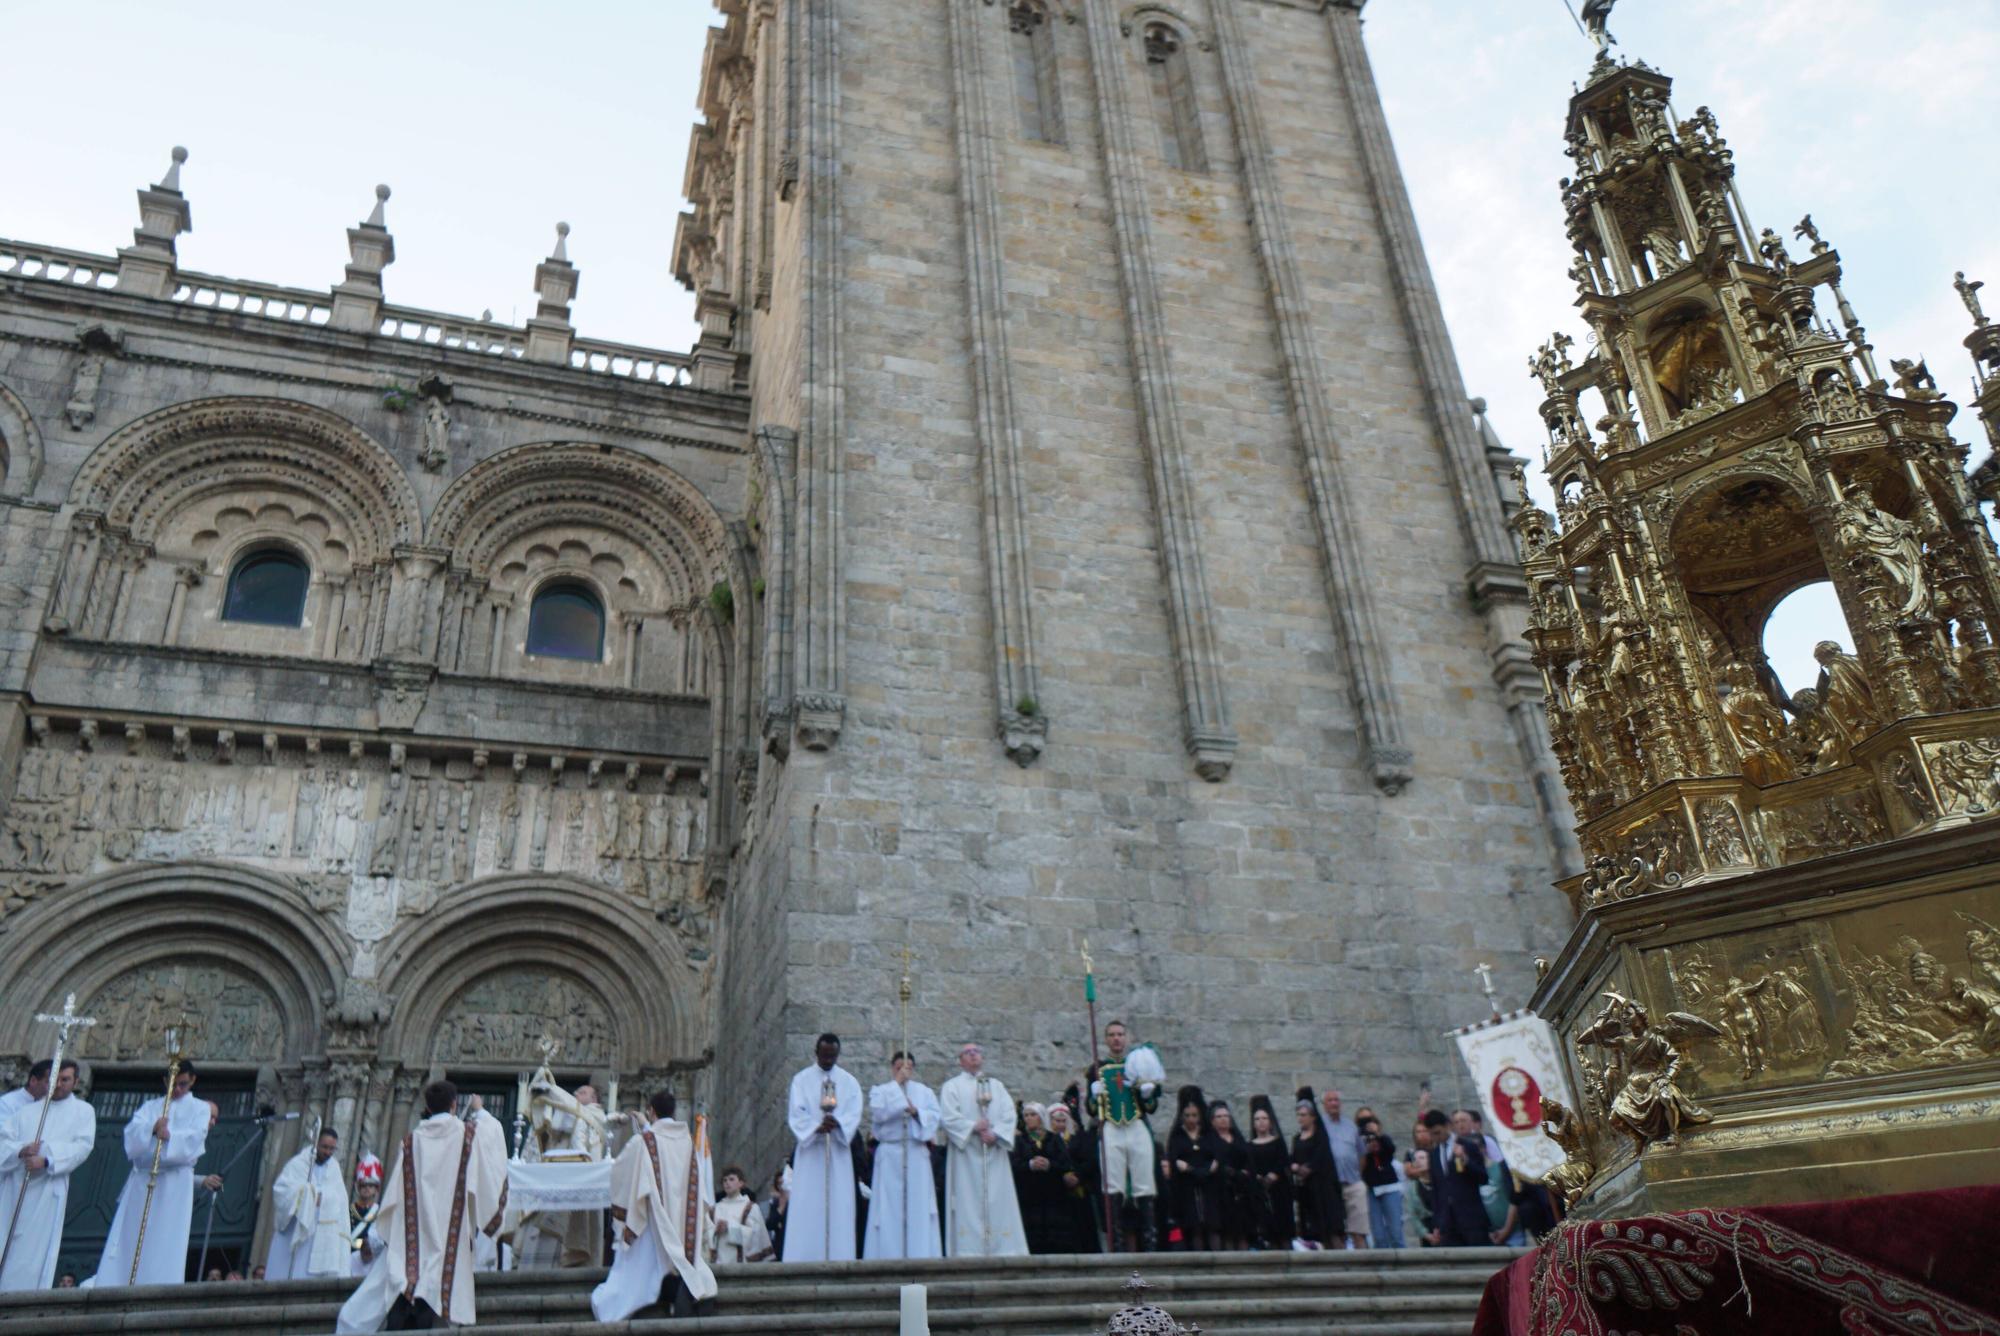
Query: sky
492	122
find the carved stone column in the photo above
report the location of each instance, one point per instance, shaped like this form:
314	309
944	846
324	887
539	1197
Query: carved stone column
333	613
186	578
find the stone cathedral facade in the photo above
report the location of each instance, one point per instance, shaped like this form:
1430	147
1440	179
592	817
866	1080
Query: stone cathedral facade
1069	526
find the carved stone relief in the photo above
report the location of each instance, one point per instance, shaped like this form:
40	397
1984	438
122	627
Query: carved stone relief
502	1017
398	835
233	1014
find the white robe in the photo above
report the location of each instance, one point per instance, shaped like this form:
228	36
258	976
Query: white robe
309	1207
165	1259
67	1136
982	1216
903	1142
11	1101
819	1221
664	1213
438	1143
575	1131
740	1234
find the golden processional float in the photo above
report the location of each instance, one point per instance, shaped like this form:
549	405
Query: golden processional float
1785	979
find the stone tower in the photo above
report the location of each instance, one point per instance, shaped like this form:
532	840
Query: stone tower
1783	987
1129	564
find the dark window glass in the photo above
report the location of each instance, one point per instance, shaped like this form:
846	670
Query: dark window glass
268	588
566	622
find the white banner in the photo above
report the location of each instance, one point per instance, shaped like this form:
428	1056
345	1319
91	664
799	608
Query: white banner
1515	1063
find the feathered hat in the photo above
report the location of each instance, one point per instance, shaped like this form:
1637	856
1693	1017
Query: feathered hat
368	1169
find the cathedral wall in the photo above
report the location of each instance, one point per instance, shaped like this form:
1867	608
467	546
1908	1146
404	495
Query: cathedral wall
1292	921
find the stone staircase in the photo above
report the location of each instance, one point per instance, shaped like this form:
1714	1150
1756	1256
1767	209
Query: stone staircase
1407	1293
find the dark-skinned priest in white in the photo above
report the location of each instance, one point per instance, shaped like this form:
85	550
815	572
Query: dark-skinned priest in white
824	1110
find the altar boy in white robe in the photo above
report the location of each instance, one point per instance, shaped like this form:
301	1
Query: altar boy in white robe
663	1212
449	1183
982	1216
37	1155
825	1113
740	1232
180	1127
309	1205
902	1199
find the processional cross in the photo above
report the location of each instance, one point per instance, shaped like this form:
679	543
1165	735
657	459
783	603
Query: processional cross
64	1021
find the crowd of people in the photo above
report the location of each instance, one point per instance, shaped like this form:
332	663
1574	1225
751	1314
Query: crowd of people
1314	1177
964	1171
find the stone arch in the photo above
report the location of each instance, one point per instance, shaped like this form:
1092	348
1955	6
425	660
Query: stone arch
224	940
559	930
164	503
20	447
649	538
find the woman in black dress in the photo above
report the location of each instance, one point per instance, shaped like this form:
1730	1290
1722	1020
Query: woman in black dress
1271	1179
1040	1162
1191	1175
1086	1208
1322	1216
1232	1170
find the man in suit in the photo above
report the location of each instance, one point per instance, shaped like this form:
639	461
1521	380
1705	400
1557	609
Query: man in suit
1458	1171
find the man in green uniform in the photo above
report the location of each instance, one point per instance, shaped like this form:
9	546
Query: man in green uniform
1122	1102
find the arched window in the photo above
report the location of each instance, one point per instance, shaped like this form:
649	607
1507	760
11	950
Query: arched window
566	621
1031	53
267	587
1174	99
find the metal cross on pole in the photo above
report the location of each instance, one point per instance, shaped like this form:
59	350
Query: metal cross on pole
1485	973
64	1021
903	996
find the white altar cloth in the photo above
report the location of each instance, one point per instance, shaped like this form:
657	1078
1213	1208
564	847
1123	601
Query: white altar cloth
576	1186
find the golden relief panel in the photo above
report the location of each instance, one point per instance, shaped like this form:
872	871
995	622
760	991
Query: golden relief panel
1896	988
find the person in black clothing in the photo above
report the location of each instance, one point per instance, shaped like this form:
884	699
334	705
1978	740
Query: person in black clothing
1385	1188
1191	1175
1040	1162
1458	1171
1086	1208
862	1151
1322	1213
1271	1206
1232	1169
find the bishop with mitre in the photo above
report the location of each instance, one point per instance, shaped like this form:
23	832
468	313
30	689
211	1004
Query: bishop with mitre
663	1209
309	1205
448	1185
37	1156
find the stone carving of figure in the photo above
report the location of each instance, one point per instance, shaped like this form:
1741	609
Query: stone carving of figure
1665	248
437	435
444	803
461	847
1969	294
608	827
683	828
69	775
538	849
632	827
123	798
418	803
346	822
388	851
90	802
1758	727
149	798
575	856
173	798
305	824
507	838
1894	544
28	780
658	819
699	846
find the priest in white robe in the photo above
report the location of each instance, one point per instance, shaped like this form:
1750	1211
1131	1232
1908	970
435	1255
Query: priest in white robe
34	1092
663	1211
564	1128
825	1113
37	1156
902	1200
449	1180
982	1216
309	1207
740	1234
180	1128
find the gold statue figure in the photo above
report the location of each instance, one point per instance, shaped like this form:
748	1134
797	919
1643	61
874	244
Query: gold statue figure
1643	1065
1568	1179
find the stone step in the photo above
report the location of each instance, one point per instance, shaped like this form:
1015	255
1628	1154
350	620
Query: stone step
1229	1294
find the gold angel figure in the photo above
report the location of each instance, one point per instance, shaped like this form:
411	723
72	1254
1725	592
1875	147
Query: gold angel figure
1642	1069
